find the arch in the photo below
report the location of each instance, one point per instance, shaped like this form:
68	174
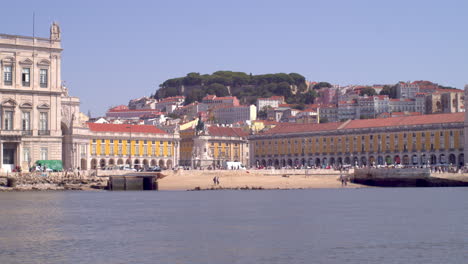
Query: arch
270	162
372	161
290	162
128	162
325	162
433	159
169	164
363	161
119	162
423	159
283	162
43	62
452	159
296	162
153	162
442	159
332	161
340	161
388	160
380	160
102	163
355	161
277	163
161	163
347	160
111	162
264	163
396	160
145	163
406	160
303	162
43	106
317	162
26	105
84	164
93	164
311	162
414	159
136	164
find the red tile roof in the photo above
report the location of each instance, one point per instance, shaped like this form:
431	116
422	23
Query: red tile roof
226	131
125	128
369	123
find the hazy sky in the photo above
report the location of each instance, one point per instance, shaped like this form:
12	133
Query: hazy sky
118	50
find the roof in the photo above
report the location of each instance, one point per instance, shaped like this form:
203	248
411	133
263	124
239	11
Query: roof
226	131
370	123
123	128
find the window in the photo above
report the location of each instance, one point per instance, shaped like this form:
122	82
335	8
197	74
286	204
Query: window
111	149
8	120
169	151
103	149
44	154
26	155
7	75
93	149
43	121
137	149
25	76
25	121
145	150
43	78
120	149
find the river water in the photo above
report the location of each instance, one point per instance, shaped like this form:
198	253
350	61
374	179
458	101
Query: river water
369	225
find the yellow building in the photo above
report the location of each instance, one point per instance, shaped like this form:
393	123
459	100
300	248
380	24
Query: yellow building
213	147
130	145
409	140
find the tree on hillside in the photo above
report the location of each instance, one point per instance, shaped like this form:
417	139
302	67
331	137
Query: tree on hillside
321	85
217	89
368	91
192	78
310	97
389	90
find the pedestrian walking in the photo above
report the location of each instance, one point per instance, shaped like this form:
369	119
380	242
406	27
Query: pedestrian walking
217	180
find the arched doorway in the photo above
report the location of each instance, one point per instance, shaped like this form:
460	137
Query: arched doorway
433	159
93	164
340	161
161	163
388	160
363	161
442	159
332	161
119	162
380	160
137	164
270	162
347	160
423	159
277	163
317	162
128	162
461	160
290	162
153	162
371	161
111	161
102	163
145	163
169	164
452	159
414	159
405	160
396	160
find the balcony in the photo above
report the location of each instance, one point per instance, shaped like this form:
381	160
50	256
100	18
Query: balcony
26	132
10	132
43	132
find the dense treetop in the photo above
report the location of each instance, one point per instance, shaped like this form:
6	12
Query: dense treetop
246	87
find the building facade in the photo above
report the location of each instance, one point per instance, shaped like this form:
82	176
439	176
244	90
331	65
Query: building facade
30	96
413	140
213	146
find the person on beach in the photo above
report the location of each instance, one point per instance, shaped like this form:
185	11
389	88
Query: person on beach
214	180
217	180
343	180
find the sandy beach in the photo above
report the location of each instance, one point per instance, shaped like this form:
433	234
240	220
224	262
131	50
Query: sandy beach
189	180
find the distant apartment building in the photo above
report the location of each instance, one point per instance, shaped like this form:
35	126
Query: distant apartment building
407	90
169	104
142	103
402	105
272	102
214	101
123	112
234	114
328	113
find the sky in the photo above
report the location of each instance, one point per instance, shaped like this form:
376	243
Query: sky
118	50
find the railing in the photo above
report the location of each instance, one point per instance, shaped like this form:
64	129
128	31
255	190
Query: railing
43	132
26	132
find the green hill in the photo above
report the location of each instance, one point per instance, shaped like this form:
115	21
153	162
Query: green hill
246	87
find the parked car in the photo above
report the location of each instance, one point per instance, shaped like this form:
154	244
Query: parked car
154	169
